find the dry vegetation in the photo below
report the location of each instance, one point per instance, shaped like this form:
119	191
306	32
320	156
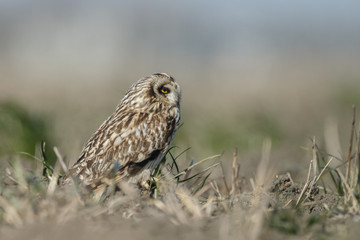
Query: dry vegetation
188	203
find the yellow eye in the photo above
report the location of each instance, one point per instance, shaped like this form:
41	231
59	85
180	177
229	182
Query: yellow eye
164	90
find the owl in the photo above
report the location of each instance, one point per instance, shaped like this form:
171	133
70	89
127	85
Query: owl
130	144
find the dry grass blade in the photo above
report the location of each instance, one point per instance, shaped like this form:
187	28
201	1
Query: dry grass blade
314	203
224	180
310	184
262	169
198	163
53	180
288	203
67	212
305	186
189	202
65	169
349	192
215	187
208	206
348	163
315	165
202	190
259	204
235	176
19	175
189	171
176	217
323	170
172	207
200	172
11	214
60	159
357	155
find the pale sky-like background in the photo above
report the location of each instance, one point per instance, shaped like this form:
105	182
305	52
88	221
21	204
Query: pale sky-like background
104	40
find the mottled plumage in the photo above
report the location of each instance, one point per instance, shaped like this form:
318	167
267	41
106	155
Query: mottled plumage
134	139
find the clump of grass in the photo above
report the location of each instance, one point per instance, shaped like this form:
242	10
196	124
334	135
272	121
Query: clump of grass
315	174
349	184
25	198
345	177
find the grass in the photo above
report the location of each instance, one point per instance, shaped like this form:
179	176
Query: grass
196	196
28	196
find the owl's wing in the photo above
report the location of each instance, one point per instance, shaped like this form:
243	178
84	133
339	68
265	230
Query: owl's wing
126	142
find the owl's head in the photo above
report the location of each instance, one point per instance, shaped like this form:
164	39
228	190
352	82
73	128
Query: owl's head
157	88
165	89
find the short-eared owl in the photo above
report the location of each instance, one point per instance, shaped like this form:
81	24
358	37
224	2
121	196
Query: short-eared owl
134	139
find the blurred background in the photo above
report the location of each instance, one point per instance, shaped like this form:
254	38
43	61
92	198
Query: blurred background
249	70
